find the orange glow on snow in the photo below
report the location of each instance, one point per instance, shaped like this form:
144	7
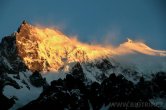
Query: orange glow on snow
46	49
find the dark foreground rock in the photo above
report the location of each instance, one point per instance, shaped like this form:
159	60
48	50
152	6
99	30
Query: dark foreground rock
115	92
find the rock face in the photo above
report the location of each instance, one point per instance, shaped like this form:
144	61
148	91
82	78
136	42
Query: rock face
37	80
6	103
91	78
9	55
44	49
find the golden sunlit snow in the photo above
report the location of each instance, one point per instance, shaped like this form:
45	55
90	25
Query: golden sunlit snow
46	49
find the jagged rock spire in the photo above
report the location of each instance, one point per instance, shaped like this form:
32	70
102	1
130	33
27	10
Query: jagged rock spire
23	23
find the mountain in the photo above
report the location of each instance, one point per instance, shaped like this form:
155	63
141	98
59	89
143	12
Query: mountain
41	68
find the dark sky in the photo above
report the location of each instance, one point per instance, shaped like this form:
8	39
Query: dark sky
103	21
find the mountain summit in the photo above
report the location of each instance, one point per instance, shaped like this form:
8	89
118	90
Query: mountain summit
45	49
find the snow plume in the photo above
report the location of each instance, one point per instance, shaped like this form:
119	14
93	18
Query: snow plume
47	49
139	47
138	55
